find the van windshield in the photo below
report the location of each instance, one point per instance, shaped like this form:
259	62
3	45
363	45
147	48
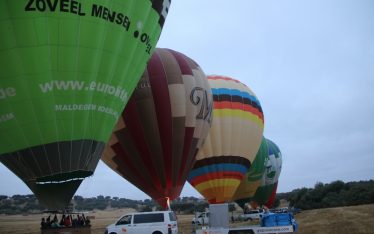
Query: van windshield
124	220
253	212
172	216
149	218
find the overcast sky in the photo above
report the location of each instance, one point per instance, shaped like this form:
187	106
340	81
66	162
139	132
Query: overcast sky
311	65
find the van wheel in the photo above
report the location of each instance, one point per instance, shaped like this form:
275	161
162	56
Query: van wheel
112	233
157	232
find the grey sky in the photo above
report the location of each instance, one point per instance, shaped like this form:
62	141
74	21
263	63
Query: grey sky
310	63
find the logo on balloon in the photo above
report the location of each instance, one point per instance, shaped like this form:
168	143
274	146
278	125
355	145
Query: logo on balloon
200	95
269	172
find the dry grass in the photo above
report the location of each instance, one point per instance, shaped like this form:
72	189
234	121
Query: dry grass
342	220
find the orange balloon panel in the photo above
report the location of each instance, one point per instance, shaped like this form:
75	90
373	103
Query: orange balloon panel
232	143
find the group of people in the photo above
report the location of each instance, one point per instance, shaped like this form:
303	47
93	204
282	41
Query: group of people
67	220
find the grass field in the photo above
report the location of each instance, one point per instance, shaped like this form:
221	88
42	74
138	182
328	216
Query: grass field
342	220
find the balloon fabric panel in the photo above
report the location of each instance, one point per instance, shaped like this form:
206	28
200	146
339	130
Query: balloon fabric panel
271	200
253	177
232	142
71	68
168	116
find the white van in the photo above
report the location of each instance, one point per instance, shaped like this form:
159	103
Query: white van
252	214
156	222
201	219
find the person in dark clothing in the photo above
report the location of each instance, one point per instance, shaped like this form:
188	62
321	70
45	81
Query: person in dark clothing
62	221
48	221
43	224
55	219
79	220
85	221
55	223
74	221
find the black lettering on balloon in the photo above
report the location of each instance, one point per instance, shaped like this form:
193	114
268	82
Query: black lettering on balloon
69	6
53	6
199	95
40	5
195	99
64	5
119	19
29	7
110	15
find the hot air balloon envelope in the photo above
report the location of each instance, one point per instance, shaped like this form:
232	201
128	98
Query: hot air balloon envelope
67	71
164	124
271	174
232	143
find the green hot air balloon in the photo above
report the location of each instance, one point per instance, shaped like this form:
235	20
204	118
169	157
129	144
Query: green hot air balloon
252	180
271	174
67	71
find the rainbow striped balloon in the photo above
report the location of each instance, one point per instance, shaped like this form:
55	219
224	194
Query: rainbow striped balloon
232	143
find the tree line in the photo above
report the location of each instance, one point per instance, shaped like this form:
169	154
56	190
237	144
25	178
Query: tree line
333	194
23	204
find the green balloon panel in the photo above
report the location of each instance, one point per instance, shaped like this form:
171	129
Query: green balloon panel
69	67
